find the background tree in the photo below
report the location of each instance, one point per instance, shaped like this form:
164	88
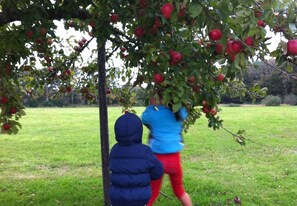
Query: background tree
275	81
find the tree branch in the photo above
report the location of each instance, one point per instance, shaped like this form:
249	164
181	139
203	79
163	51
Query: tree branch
239	137
59	13
280	70
239	89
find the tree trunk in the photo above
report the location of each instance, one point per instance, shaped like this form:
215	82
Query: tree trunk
103	121
46	93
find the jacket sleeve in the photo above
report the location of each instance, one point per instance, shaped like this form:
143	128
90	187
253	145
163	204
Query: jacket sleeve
145	117
157	169
183	113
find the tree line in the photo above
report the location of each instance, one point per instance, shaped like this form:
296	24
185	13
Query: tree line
259	73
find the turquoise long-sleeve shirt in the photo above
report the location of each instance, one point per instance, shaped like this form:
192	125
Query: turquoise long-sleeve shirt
166	131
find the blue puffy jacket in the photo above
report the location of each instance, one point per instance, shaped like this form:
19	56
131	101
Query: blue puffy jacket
132	164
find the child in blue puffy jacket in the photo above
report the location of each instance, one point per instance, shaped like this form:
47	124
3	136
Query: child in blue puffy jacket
132	164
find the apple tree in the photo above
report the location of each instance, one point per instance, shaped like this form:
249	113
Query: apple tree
190	51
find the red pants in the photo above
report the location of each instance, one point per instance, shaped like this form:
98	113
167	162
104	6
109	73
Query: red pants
172	167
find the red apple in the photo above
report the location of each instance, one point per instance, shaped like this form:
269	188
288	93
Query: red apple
249	41
258	14
219	48
261	23
292	47
68	89
48	59
29	34
81	43
143	4
108	91
213	111
114	18
232	57
49	41
50	69
84	40
175	57
158	78
236	47
157	22
123	49
43	31
70	23
220	77
237	200
4	100
154	30
229	49
38	41
205	109
166	10
124	56
277	28
67	72
191	79
77	48
139	31
8	69
182	11
196	88
209	45
204	103
6	126
92	24
13	110
215	34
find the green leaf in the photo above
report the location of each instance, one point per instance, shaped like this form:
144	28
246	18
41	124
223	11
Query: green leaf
176	106
289	68
292	27
22	112
195	9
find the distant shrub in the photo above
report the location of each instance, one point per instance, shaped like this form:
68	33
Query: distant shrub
52	103
31	103
290	99
58	103
47	104
272	100
234	105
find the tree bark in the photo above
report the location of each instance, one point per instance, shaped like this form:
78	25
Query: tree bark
103	121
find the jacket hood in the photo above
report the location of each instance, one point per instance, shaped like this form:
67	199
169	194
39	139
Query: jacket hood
128	129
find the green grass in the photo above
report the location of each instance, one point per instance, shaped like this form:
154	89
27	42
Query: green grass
55	159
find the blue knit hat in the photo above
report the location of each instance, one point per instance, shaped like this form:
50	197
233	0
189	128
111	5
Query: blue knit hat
128	129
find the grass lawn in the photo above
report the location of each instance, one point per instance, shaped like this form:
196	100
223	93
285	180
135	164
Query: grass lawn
55	159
